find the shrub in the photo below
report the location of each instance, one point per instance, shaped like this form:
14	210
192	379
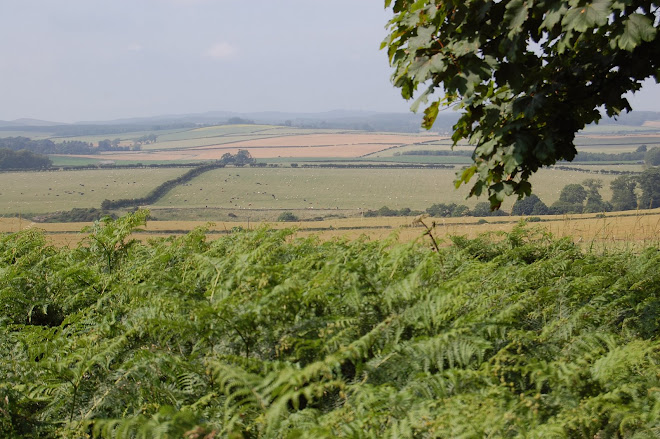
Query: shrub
287	217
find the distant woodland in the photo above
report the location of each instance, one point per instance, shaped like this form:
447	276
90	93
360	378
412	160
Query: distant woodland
47	146
22	159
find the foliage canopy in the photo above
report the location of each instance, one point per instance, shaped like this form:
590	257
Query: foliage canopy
527	75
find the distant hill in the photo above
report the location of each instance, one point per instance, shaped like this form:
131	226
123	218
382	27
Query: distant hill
28	123
339	119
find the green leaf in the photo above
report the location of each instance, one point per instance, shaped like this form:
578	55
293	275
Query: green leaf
582	18
516	14
553	16
638	28
430	114
465	177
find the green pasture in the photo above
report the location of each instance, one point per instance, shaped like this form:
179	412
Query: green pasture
440	145
227	134
35	135
617	129
41	192
203	141
128	136
317	188
214	131
597	166
64	160
418	159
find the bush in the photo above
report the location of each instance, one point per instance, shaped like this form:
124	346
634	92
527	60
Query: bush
287	217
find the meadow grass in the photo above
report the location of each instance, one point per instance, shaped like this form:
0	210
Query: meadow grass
128	136
200	142
65	160
319	188
35	135
41	192
214	131
616	129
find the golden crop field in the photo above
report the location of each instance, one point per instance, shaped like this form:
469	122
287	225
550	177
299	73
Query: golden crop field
632	230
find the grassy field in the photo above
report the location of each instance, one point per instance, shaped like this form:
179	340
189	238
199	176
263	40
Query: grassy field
238	190
311	188
41	192
124	137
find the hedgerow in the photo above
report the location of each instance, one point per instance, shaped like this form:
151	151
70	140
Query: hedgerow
260	334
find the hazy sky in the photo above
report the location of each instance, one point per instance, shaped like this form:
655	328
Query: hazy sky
73	60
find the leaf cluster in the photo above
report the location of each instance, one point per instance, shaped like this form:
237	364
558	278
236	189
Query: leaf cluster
526	75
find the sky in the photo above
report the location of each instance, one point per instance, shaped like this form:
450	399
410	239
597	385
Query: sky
82	60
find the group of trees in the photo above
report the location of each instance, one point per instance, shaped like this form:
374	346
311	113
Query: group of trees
47	146
629	192
112	145
241	158
440	210
22	159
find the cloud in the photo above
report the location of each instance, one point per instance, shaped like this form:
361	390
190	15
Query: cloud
220	50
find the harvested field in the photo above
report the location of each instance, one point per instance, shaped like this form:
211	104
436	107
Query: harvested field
336	145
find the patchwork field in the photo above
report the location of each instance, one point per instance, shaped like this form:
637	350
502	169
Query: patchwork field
263	193
265	144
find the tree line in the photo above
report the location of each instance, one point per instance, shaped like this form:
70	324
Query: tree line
629	192
47	146
22	159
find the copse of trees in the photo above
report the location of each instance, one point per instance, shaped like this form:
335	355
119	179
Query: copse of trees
652	157
649	183
47	146
241	158
531	205
440	210
635	156
22	159
629	192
